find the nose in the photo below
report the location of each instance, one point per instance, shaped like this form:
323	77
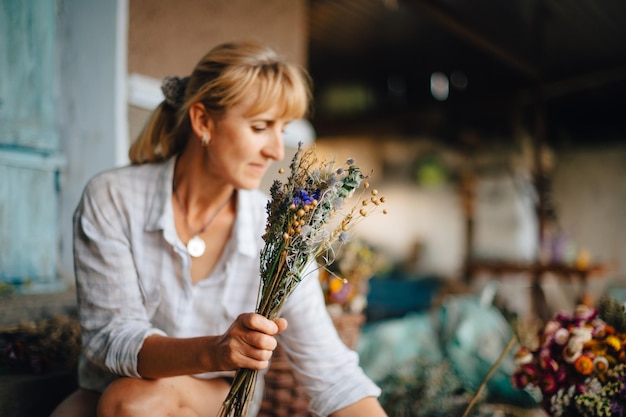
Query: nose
275	148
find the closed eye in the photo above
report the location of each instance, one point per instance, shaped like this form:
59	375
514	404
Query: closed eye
260	127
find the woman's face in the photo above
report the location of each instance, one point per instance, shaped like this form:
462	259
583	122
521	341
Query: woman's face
242	147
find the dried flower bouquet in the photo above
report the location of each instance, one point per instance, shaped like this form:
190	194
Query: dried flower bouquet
297	233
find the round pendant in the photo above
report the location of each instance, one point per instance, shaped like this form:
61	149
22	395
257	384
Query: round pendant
196	246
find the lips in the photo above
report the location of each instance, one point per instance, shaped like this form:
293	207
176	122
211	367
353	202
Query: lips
259	168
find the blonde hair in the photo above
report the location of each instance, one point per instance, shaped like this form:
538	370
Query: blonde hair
222	79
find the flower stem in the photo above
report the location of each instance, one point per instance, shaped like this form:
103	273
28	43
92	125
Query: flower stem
237	401
495	366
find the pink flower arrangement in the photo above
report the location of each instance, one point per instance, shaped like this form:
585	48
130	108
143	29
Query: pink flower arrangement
578	367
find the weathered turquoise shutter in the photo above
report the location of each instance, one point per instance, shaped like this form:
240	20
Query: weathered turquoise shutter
29	146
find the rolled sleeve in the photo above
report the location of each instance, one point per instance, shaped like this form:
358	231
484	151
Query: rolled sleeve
121	358
327	370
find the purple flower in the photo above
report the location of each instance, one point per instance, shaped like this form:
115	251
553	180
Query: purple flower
521	380
617	409
548	364
525	375
618	403
548	384
584	313
561	375
581	388
303	198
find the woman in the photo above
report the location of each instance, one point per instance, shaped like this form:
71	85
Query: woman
167	256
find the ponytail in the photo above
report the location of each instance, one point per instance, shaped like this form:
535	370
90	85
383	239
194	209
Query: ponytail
160	138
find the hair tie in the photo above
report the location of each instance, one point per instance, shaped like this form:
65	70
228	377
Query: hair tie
173	89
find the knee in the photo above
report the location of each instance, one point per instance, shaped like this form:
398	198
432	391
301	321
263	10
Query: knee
117	399
127	397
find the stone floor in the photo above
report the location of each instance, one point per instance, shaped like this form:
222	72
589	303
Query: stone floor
34	395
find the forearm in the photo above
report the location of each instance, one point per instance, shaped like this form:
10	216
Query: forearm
163	356
248	343
367	407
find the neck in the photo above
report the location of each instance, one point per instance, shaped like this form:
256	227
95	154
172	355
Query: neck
200	195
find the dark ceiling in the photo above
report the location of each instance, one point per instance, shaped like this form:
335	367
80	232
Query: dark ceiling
556	64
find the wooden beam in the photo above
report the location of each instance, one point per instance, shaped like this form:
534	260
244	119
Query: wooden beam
583	82
458	28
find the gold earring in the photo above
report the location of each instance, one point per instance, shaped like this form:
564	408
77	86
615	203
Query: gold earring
205	138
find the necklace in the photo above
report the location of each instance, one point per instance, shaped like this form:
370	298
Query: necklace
196	245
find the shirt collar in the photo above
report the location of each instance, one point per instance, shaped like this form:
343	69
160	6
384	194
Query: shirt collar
161	207
246	229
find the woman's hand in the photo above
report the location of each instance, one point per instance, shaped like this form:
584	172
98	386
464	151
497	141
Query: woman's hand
248	343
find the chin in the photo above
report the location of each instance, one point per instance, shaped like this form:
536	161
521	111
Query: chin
251	184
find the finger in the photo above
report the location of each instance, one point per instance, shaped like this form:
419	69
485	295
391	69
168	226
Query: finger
261	341
256	365
282	325
261	355
254	321
254	358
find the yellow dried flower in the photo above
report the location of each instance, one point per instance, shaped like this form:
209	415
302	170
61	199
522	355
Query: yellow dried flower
335	284
613	342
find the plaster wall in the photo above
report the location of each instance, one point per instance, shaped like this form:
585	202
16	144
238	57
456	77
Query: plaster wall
424	228
168	38
590	197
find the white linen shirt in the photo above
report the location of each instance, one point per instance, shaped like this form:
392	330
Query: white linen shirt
133	280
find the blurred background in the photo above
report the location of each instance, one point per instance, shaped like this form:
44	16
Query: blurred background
495	130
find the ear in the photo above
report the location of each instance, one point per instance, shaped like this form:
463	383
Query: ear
201	121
